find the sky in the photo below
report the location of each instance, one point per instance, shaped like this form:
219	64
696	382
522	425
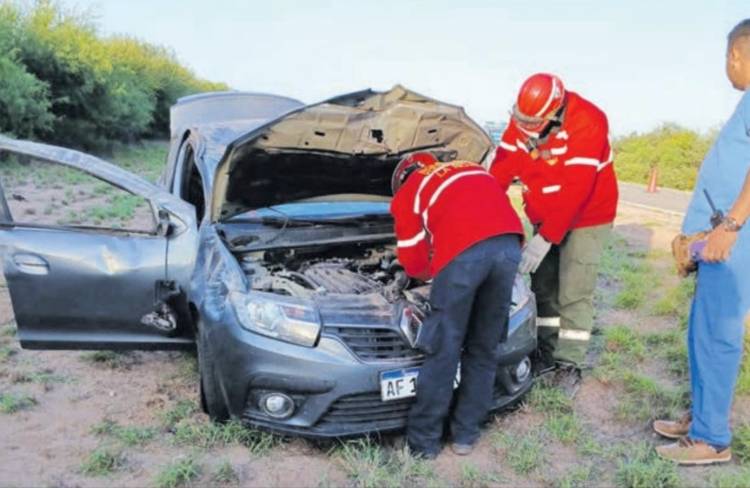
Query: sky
644	62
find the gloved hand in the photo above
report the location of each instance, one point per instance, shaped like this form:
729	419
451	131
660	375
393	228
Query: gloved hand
533	254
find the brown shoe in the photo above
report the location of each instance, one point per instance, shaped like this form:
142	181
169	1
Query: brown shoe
689	452
673	429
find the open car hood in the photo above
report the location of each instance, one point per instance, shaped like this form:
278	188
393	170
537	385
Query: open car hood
346	145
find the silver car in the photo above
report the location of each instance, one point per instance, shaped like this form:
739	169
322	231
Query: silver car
271	251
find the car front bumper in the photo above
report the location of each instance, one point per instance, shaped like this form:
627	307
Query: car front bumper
335	393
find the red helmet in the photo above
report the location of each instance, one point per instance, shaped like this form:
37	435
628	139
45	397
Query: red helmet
540	98
408	165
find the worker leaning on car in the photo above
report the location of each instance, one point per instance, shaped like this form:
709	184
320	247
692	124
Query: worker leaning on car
557	144
456	225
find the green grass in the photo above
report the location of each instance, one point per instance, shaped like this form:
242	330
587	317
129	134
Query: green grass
102	461
119	208
146	159
549	400
676	302
225	473
179	473
187	368
182	410
523	453
645	399
207	435
741	443
725	478
6	352
45	377
10	403
624	340
566	428
640	467
630	271
109	359
577	477
128	435
671	345
743	380
9	330
473	477
368	465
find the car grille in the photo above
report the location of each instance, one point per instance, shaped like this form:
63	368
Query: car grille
365	408
374	343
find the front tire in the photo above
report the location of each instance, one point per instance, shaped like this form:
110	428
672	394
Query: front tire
211	399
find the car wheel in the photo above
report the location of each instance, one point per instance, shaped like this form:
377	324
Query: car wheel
210	397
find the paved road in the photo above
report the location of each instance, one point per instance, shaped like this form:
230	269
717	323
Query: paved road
665	199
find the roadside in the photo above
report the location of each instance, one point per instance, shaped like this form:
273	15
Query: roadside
72	418
674	202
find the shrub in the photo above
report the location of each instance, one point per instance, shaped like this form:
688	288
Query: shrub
675	151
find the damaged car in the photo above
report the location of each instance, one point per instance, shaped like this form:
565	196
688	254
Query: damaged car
268	246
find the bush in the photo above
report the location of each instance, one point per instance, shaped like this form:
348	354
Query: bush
675	151
64	82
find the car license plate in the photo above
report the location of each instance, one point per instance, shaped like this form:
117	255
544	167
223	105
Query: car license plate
402	383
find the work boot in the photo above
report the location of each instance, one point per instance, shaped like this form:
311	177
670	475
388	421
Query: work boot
673	429
544	364
690	452
424	455
462	449
567	377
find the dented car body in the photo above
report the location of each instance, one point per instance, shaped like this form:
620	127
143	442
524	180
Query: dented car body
273	252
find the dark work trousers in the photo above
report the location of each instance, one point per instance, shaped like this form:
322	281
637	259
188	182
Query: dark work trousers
470	300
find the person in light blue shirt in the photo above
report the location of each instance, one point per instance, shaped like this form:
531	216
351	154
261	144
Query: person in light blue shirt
722	296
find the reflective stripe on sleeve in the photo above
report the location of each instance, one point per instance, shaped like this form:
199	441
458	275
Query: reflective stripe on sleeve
551	189
508	147
609	160
548	321
521	146
413	241
558	151
574	335
583	162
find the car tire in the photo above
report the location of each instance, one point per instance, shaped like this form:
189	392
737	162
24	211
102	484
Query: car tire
211	400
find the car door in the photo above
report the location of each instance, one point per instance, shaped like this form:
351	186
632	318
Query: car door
93	256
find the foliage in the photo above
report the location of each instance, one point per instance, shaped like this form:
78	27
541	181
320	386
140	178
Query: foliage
178	473
368	465
64	82
102	461
676	152
640	467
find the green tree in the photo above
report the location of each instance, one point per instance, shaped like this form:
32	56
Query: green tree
62	81
674	151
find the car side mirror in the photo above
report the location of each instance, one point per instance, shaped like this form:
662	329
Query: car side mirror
164	225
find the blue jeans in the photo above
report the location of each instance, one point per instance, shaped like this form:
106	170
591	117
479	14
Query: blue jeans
470	301
715	336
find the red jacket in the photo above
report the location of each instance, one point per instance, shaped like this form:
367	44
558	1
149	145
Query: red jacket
569	180
444	209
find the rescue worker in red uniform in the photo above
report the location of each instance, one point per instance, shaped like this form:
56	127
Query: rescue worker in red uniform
557	144
455	225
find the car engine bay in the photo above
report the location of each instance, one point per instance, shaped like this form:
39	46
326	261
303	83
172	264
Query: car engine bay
352	269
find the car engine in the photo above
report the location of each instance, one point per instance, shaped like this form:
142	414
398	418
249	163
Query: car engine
351	270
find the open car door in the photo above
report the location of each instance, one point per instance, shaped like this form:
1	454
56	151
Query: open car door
94	257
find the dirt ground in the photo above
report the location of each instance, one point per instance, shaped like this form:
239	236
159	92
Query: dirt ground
72	394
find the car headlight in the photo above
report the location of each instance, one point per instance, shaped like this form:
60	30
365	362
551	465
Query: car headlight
520	296
277	316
